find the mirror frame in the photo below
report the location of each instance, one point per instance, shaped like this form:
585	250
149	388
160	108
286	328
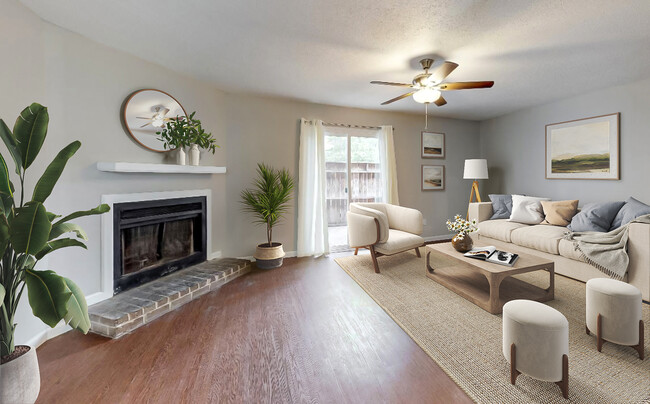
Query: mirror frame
125	105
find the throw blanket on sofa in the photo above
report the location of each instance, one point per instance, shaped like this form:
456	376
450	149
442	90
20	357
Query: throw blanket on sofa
606	251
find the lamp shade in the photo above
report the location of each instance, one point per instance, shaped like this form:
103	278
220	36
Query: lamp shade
475	169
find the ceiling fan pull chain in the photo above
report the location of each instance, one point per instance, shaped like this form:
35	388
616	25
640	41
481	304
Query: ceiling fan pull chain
426	116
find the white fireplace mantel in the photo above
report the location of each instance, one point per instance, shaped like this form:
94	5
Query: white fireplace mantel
122	167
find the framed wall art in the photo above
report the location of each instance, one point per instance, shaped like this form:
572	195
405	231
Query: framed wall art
433	145
433	178
585	149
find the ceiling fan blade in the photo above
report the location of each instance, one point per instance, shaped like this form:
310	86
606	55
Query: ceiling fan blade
146	124
165	111
142	117
388	83
398	98
440	101
442	72
465	85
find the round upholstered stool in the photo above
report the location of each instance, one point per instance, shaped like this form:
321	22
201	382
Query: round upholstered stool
536	342
614	313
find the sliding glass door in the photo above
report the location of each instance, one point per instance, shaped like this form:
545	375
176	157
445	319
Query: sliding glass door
353	171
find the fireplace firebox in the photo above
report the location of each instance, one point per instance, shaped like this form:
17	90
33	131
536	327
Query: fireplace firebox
155	238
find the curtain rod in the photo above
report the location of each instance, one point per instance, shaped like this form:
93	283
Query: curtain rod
343	125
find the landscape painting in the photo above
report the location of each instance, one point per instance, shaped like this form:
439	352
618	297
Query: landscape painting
583	149
433	145
433	178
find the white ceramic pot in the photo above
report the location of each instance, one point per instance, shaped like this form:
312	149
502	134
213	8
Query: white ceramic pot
180	156
269	257
21	380
195	155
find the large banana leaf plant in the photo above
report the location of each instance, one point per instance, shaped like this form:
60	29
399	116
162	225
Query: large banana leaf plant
29	232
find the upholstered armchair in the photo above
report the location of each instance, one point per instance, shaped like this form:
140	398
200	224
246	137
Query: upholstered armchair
384	229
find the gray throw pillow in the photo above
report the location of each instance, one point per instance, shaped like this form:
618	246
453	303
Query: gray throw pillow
595	216
501	206
630	211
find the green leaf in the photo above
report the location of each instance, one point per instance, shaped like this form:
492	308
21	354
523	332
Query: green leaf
2	295
12	145
52	173
5	183
77	308
4	235
57	244
62	228
48	295
103	208
30	229
30	131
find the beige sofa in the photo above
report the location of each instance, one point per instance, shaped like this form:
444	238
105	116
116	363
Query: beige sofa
547	241
384	229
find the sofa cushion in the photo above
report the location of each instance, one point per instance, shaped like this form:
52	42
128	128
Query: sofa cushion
378	212
527	209
399	241
559	213
499	229
568	250
501	206
541	237
630	211
595	216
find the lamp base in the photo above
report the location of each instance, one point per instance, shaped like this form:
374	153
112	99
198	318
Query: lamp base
474	192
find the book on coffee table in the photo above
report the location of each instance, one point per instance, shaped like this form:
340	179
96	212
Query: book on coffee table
491	254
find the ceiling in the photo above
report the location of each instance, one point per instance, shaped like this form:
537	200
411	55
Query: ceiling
328	51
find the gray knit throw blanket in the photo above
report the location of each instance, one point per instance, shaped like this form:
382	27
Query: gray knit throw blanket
606	251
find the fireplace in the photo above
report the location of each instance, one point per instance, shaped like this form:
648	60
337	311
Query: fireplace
157	237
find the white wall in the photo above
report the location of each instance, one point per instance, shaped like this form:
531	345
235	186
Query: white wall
514	146
84	84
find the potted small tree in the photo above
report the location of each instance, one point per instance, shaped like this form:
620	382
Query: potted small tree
28	232
268	201
182	132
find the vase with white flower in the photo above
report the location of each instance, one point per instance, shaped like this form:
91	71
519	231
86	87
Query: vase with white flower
462	241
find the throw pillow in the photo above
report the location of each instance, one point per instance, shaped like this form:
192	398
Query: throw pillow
595	216
527	209
501	206
559	213
630	211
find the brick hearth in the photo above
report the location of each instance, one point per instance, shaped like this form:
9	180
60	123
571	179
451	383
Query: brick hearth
129	310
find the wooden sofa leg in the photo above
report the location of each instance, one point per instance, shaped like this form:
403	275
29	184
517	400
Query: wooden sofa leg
373	254
640	347
417	252
356	251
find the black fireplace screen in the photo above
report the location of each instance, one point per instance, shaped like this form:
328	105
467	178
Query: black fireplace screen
155	238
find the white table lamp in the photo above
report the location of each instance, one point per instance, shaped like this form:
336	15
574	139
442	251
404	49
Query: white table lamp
475	169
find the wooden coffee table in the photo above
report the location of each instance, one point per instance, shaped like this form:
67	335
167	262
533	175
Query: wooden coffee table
487	285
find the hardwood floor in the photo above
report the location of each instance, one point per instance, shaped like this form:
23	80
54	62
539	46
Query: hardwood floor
305	332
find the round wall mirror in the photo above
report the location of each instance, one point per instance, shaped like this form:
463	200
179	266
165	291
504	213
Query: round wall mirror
146	112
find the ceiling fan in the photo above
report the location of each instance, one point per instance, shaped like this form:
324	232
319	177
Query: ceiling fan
158	119
427	86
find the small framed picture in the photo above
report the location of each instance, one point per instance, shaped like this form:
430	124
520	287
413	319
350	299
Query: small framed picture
583	149
433	178
433	145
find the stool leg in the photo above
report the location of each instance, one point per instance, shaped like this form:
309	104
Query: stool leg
564	383
640	347
587	329
513	364
599	332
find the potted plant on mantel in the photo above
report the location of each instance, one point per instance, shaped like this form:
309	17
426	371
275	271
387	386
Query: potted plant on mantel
182	132
28	232
268	202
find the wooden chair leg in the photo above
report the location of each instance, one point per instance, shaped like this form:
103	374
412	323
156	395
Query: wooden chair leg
587	329
356	251
373	254
564	383
417	252
599	333
640	347
513	364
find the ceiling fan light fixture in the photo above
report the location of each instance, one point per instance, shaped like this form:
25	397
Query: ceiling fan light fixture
426	95
158	121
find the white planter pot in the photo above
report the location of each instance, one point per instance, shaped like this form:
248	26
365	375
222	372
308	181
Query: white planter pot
269	257
195	155
180	156
21	379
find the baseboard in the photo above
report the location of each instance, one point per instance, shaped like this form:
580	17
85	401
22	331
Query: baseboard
287	254
50	333
214	255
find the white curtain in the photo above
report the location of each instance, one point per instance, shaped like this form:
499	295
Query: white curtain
312	207
388	164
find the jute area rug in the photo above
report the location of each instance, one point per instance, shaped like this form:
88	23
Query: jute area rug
465	340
